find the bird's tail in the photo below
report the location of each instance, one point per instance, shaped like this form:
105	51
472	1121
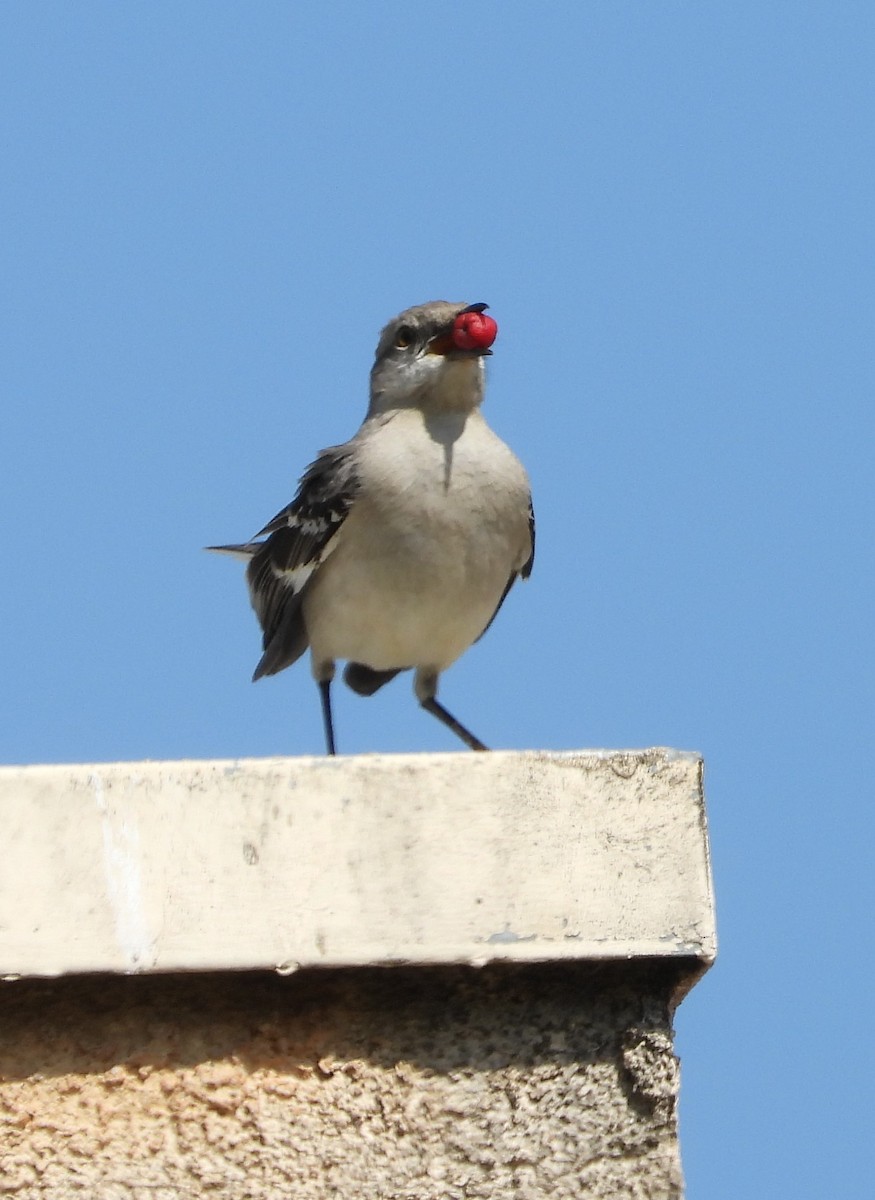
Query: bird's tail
245	550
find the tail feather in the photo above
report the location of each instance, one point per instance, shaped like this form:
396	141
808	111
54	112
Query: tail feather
244	551
365	680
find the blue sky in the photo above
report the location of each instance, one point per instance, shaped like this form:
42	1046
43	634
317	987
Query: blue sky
208	212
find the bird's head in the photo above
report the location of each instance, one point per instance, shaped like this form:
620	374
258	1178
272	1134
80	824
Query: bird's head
431	357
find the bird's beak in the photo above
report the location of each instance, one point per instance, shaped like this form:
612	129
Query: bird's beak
441	344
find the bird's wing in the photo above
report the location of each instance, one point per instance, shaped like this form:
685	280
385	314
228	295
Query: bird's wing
524	571
526	568
297	541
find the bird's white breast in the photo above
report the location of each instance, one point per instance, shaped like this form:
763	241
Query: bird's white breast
439	527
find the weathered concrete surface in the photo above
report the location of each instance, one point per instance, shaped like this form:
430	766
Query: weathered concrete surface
281	863
554	906
440	1083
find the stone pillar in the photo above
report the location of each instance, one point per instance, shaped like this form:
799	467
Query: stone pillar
381	977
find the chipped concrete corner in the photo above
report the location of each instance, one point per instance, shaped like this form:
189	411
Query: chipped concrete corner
501	940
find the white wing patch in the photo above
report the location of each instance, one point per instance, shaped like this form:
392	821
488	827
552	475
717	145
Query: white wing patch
296	578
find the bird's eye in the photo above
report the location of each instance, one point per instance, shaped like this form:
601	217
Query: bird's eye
404	337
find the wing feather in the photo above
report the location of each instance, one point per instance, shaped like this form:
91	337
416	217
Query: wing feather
297	541
524	572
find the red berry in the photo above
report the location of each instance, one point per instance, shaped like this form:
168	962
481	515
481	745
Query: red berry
474	331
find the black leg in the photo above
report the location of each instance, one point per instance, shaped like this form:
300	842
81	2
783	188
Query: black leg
431	705
325	693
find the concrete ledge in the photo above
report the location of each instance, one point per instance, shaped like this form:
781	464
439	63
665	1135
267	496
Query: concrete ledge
420	859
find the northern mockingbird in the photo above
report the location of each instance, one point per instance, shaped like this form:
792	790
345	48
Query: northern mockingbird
402	543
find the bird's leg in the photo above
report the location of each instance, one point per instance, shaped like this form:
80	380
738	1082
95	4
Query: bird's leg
325	693
323	673
450	721
426	687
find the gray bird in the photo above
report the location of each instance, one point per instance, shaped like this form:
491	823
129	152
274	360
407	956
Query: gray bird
402	543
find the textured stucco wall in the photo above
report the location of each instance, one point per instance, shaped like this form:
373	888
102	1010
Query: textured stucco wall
417	1083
